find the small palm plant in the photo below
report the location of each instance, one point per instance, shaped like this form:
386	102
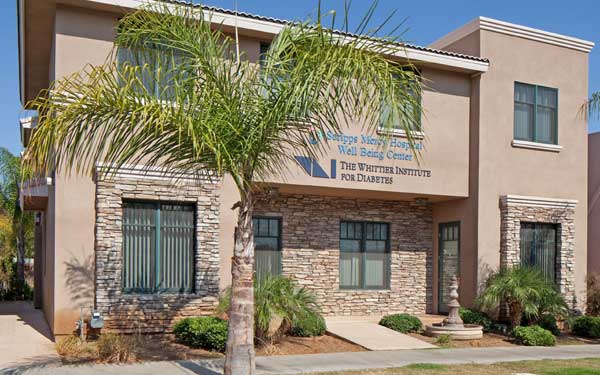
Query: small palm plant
191	104
525	291
278	301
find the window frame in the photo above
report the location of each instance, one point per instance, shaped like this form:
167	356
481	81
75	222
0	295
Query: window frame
417	133
535	109
154	268
537	226
387	271
279	239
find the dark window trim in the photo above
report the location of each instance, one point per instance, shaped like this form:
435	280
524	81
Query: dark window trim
363	251
279	238
535	106
536	225
154	269
457	223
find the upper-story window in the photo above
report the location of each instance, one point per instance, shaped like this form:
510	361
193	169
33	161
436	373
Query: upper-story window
409	112
536	110
264	49
158	73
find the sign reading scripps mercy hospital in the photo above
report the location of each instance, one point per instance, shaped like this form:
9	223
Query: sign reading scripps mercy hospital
363	158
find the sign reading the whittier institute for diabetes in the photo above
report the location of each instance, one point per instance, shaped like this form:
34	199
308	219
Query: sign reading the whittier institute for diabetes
362	158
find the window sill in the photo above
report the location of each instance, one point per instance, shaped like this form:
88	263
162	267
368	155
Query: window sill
536	146
400	133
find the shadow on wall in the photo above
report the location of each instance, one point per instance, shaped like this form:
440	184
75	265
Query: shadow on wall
79	279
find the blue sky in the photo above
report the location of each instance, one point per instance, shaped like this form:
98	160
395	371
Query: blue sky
425	20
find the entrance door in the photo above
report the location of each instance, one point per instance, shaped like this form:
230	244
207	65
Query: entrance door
448	261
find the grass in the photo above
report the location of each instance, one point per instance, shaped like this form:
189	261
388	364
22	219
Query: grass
589	366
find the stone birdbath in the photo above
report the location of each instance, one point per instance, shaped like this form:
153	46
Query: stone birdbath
453	325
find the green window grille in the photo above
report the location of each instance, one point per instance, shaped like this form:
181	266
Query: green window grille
267	246
364	255
158	247
536	110
538	247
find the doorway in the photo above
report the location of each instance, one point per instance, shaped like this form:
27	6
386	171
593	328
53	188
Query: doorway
448	261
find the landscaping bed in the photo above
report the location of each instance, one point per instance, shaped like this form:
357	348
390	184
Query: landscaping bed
164	347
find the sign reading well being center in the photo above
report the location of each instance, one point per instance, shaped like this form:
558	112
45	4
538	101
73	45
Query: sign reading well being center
364	159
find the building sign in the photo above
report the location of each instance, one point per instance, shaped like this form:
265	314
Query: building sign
361	158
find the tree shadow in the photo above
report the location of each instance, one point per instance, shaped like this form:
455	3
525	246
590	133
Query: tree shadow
80	279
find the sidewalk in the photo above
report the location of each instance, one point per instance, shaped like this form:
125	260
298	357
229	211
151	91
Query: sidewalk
296	364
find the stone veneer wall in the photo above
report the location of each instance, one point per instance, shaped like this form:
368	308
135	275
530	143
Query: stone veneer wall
515	209
310	240
154	312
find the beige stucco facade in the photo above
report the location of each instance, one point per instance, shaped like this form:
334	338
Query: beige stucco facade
467	164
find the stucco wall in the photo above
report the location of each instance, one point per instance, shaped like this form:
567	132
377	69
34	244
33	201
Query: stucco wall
594	203
524	171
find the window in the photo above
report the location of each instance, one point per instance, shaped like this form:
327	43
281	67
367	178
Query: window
157	73
536	113
158	247
538	247
264	49
364	255
267	245
394	117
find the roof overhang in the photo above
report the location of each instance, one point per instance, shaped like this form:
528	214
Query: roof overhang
33	194
490	24
269	27
27	126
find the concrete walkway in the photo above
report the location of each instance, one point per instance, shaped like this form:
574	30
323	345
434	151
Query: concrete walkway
25	339
366	332
298	364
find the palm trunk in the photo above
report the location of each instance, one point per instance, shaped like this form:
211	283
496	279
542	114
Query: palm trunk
20	231
239	359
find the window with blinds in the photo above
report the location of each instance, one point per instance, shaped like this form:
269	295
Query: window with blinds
536	110
158	247
267	246
538	247
364	255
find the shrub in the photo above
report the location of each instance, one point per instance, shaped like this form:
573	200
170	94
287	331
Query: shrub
70	346
469	316
587	326
278	301
593	294
526	292
202	332
534	336
403	323
443	340
548	322
308	325
117	348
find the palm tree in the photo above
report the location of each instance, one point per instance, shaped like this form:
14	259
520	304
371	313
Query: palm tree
16	226
525	291
208	108
592	105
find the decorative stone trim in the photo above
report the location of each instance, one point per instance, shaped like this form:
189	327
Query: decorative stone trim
153	312
515	209
310	255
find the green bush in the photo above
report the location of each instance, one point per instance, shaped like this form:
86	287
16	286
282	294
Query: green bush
308	324
202	332
469	316
403	323
548	322
534	336
587	326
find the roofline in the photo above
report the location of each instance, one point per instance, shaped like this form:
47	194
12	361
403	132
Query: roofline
273	26
490	24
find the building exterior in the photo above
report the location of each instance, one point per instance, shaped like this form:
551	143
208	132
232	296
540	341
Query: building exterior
502	180
593	203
